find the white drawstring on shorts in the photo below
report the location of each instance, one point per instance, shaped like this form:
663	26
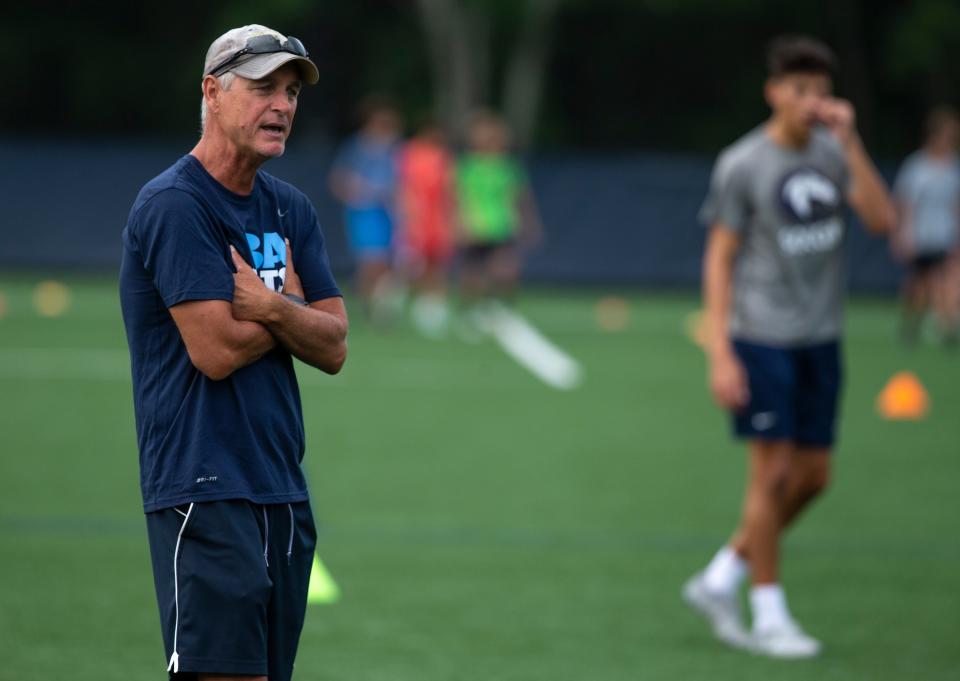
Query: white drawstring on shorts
290	543
266	535
174	665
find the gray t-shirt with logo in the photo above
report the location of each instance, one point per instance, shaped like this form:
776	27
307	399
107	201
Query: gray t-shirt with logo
789	277
930	189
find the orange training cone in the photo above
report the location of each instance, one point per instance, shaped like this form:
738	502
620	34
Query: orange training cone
903	398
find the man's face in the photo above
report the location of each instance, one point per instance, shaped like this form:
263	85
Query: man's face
946	137
795	98
257	115
384	124
489	137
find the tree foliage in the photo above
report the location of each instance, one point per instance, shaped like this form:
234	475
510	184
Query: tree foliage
611	75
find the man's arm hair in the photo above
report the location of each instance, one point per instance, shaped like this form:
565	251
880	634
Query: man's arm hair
728	380
315	333
217	343
723	244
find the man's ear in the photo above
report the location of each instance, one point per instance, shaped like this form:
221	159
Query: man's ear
770	91
211	93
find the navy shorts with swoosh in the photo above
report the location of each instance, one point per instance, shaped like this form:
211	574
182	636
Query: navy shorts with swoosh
794	393
232	579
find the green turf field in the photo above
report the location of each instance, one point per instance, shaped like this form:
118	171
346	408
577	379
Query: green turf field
480	525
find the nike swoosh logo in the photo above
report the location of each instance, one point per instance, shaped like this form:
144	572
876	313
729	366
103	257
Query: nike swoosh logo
283	214
764	420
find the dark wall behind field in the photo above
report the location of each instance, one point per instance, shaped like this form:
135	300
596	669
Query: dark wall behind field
637	96
610	219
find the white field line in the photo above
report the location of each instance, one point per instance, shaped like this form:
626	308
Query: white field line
532	350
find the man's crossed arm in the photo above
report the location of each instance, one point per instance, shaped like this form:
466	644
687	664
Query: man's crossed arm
222	337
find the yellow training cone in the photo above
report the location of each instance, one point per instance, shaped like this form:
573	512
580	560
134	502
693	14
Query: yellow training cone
903	398
612	313
51	298
322	588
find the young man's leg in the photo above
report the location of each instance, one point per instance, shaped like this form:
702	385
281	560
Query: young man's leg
473	282
769	474
778	486
783	480
916	301
370	233
808	477
943	300
714	592
767	424
504	271
952	299
818	374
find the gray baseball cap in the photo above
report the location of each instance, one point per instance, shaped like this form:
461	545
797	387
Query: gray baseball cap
256	51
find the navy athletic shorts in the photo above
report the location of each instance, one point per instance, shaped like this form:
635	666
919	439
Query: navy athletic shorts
232	579
927	262
794	393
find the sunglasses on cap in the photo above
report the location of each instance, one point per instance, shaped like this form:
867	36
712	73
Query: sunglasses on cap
263	44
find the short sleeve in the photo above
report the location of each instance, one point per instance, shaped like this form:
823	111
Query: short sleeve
182	248
311	260
904	182
727	201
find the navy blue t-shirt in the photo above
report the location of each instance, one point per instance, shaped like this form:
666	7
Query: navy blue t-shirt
203	440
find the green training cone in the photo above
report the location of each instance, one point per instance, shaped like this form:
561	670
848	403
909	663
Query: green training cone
322	587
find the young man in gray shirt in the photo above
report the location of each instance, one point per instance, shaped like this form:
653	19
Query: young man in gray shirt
927	192
774	287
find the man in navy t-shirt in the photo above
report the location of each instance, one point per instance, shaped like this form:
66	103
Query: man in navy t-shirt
225	279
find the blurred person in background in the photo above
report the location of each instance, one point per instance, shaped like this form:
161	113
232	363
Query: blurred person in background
364	180
774	285
497	215
224	280
427	206
927	191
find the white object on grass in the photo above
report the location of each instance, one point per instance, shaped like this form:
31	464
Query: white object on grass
529	348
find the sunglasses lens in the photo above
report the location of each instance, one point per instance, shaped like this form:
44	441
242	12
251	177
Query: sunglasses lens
295	46
262	43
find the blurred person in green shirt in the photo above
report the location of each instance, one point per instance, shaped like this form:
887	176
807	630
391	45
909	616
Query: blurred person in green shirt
497	214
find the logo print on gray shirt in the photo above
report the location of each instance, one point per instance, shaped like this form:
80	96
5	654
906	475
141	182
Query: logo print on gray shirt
812	201
808	196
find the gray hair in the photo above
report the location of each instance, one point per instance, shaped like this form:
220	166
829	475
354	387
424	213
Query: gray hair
226	82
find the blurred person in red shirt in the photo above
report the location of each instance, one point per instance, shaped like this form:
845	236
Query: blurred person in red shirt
427	205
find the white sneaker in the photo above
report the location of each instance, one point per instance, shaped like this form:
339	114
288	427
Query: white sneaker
786	641
721	610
